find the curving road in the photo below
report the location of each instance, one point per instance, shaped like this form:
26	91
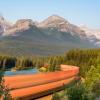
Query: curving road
35	85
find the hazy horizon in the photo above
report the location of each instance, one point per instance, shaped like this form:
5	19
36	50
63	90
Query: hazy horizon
80	13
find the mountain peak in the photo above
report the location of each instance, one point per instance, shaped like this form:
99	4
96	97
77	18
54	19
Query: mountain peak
24	22
55	17
20	25
52	21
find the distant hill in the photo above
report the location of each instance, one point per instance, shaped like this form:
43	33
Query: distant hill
52	36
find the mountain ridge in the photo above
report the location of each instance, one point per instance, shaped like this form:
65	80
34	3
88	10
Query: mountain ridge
54	35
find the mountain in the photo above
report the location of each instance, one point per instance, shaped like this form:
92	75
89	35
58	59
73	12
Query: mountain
52	36
19	26
1	25
61	25
4	25
93	35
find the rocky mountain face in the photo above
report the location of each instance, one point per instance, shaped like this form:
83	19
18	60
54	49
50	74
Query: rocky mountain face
52	23
4	25
19	26
1	25
61	25
54	35
93	35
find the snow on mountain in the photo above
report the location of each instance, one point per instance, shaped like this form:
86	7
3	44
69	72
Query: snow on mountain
93	35
19	26
53	22
4	25
62	25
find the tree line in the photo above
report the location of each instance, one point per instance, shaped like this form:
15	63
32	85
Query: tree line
20	63
78	57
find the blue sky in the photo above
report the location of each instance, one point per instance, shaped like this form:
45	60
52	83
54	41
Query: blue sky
75	11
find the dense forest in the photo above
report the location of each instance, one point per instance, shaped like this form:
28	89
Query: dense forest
82	58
